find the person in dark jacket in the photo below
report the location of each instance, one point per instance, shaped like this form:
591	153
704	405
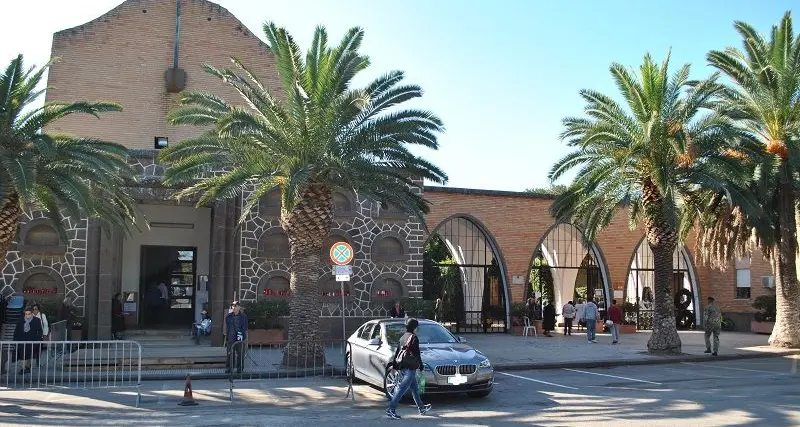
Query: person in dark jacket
397	311
236	327
117	317
407	359
549	318
29	328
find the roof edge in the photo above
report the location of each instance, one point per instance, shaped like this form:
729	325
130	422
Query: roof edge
492	193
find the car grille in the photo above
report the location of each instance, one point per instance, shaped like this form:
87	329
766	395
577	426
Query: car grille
451	369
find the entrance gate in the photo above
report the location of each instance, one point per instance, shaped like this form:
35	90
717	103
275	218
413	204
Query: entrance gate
565	267
461	268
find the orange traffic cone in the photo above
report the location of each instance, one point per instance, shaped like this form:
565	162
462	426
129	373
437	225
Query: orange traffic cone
188	400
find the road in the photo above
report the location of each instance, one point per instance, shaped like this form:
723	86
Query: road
730	393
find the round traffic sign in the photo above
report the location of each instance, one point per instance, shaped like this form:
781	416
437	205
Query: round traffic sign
341	253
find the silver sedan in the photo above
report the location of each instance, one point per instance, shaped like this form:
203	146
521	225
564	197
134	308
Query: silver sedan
450	365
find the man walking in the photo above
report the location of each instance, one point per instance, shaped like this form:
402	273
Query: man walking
579	309
615	316
713	323
569	315
236	326
590	314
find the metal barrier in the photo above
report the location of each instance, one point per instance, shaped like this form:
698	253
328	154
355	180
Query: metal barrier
288	359
59	331
40	365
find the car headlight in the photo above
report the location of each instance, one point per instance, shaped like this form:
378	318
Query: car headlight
485	364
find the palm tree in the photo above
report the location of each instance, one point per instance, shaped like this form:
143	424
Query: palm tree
764	102
311	136
651	155
56	173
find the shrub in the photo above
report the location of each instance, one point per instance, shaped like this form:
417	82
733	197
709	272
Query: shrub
765	304
418	307
265	314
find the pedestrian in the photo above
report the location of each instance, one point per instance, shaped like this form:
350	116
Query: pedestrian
537	309
407	359
29	328
529	303
117	318
37	312
579	310
549	318
437	310
615	316
236	327
397	310
713	323
590	314
568	311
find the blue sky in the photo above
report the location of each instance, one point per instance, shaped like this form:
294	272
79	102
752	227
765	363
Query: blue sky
501	74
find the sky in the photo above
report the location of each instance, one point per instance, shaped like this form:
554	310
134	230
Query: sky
502	74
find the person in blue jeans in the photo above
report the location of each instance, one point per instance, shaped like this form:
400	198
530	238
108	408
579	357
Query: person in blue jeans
407	359
590	314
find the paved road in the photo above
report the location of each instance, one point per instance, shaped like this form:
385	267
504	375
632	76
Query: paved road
730	393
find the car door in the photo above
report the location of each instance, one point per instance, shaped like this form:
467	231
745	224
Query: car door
360	350
374	354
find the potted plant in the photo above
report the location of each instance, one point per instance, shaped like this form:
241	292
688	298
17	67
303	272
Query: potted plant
628	325
764	319
264	321
518	312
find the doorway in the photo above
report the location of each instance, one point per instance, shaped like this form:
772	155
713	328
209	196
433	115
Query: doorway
172	304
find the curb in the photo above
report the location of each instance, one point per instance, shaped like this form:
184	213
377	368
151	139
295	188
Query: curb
663	360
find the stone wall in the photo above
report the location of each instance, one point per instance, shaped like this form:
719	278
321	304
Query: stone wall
387	245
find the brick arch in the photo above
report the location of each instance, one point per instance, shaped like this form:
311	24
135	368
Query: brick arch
493	245
593	249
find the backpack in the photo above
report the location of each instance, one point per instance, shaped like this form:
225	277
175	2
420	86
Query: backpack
405	359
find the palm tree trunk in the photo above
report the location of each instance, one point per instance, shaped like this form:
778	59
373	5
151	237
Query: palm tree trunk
10	213
306	226
786	332
662	236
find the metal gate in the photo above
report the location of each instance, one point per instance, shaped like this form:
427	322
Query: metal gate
641	277
565	249
467	277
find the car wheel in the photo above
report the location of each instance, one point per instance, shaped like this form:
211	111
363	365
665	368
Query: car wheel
391	381
479	394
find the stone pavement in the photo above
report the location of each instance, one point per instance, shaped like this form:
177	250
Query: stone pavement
516	352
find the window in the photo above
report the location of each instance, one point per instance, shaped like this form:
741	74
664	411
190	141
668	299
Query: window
743	278
366	332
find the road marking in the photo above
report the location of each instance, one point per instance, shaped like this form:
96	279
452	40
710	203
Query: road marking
612	376
536	381
735	369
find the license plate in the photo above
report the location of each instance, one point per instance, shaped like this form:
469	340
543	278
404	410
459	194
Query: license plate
457	380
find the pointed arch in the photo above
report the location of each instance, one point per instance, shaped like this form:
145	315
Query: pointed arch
481	303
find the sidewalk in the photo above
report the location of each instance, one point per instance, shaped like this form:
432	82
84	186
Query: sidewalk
509	352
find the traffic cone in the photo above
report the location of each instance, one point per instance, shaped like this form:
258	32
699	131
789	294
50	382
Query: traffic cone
188	400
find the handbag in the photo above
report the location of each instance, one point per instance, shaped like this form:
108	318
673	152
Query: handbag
405	359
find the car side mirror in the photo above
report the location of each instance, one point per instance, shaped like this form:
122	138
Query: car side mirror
374	341
462	339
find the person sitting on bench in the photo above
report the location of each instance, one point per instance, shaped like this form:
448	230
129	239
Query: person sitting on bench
201	328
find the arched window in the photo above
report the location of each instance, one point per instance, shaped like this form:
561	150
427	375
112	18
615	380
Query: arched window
388	247
274	287
270	204
274	245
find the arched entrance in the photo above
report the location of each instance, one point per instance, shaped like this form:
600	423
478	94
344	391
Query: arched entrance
639	289
462	267
566	267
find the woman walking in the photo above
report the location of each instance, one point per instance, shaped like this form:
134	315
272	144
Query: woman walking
407	359
549	319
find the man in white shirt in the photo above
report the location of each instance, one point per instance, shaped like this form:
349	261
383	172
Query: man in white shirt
579	309
568	311
164	294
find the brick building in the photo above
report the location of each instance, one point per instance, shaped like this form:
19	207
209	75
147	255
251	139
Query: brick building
136	56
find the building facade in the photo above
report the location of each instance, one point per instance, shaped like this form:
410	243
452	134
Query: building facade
136	56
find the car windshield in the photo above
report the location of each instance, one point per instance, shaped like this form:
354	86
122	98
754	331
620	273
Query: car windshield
428	333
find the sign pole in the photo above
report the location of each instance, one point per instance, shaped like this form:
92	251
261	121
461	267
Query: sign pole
344	330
